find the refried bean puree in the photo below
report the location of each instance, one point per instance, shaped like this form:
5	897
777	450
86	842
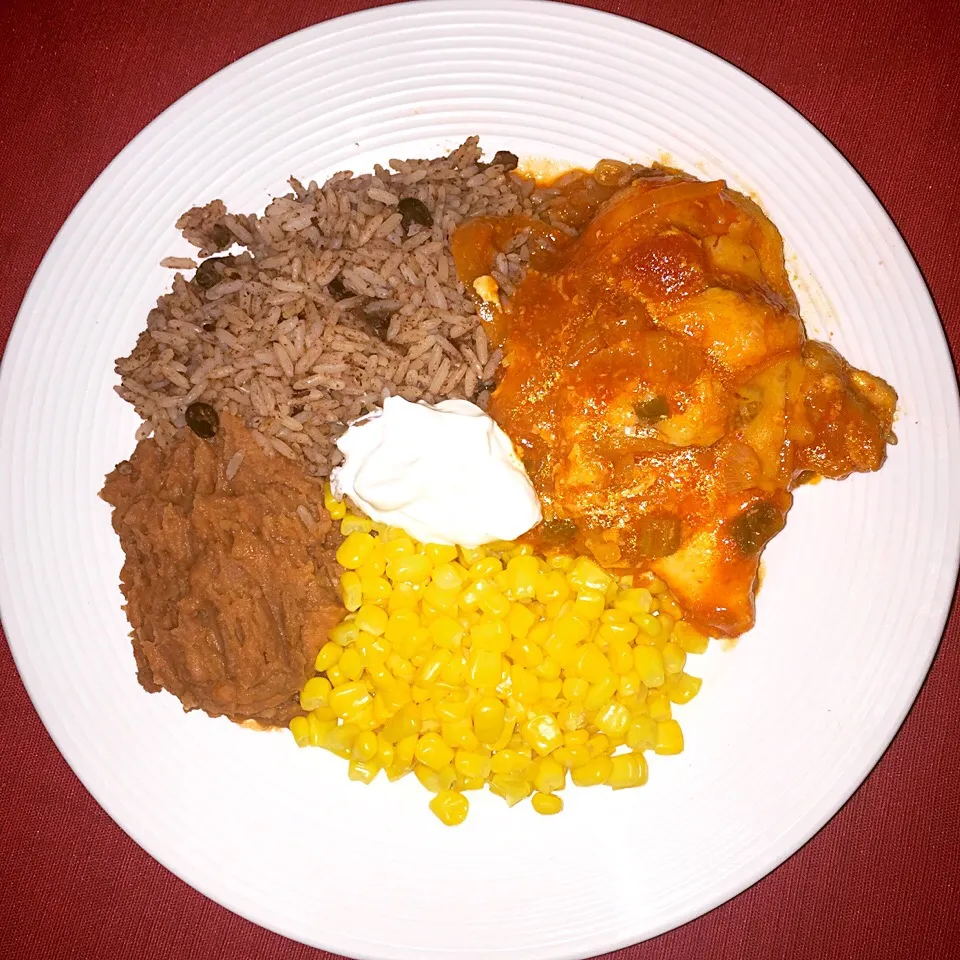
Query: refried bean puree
229	582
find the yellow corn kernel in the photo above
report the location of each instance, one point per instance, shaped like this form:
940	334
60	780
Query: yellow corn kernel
526	653
386	752
433	752
490	635
470	764
592	773
401	626
458	706
519	621
526	686
413	568
470	555
629	770
488	720
586	575
642	733
522	573
691	639
510	787
615	615
438	553
649	627
547	669
658	705
674	658
613	720
365	771
569	630
374	566
404	596
398	546
600	692
336	739
374	589
575	688
449	576
351	592
314	693
543	733
329	654
573	716
636	601
349	700
509	761
669	606
459	734
300	728
406	749
398	693
548	775
344	633
598	744
365	746
546	803
550	690
620	655
446	632
351	664
450	807
589	604
433	663
484	668
470	783
454	670
630	687
435	780
669	737
682	688
576	738
336	508
336	676
351	523
507	735
355	550
648	662
371	619
591	664
571	757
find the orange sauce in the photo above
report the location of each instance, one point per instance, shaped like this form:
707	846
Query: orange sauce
659	386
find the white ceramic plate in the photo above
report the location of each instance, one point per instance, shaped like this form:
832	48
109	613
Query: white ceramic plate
788	723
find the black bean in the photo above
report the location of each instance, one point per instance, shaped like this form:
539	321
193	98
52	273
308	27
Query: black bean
202	419
221	236
505	159
207	273
337	290
413	211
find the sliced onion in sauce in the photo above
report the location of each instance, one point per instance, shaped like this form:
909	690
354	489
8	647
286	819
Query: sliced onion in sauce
740	467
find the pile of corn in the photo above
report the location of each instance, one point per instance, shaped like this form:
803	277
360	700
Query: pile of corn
494	666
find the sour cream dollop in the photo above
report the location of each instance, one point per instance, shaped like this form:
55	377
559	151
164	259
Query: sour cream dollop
444	473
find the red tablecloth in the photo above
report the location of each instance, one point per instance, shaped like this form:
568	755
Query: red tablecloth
79	78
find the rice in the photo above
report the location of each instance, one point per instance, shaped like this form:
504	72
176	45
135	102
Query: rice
330	306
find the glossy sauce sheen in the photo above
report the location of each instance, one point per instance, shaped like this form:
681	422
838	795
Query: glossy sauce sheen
659	385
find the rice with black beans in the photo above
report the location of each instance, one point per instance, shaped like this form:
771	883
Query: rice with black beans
333	304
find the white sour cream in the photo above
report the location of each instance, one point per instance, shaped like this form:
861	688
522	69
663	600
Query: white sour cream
445	473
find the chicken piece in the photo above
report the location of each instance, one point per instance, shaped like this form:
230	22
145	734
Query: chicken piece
660	389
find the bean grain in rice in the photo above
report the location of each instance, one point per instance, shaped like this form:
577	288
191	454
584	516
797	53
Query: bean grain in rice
342	294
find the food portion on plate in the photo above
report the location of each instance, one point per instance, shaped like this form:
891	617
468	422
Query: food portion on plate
659	384
449	470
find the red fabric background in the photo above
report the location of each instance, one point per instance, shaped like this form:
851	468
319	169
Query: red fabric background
79	78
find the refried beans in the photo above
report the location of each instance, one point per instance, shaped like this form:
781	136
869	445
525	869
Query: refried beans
228	574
